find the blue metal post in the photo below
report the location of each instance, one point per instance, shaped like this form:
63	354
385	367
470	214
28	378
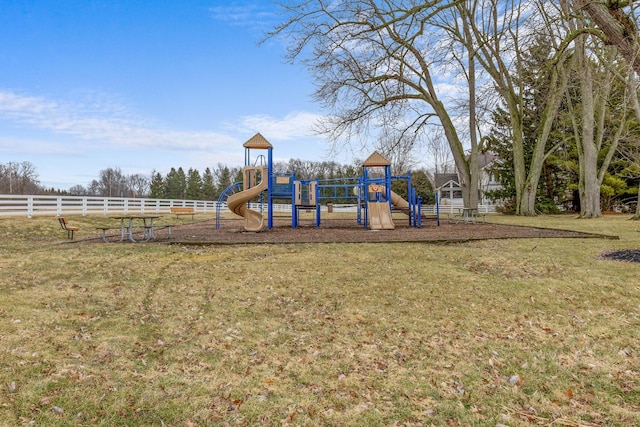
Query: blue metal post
387	185
412	200
359	187
270	188
438	207
317	202
365	179
294	209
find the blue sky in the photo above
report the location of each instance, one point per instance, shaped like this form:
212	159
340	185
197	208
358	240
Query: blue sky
141	85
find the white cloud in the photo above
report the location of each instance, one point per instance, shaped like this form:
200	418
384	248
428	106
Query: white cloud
254	15
33	146
102	121
104	131
292	126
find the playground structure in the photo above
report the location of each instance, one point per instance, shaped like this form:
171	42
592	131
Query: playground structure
371	192
237	203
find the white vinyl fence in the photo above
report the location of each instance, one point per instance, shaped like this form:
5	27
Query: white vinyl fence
29	206
455	208
19	205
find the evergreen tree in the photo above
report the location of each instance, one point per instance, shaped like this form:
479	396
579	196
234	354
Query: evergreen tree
181	181
172	184
238	175
157	188
424	186
535	88
223	177
208	185
194	185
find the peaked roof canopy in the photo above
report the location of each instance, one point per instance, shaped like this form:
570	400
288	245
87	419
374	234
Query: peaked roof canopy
257	141
376	159
440	179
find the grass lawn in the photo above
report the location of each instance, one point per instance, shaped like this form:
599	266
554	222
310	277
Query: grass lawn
503	332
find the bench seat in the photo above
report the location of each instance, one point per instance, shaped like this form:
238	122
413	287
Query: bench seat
472	218
104	231
146	230
70	229
178	211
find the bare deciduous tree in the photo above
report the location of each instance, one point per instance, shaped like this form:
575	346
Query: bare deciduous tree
138	185
112	183
397	146
502	31
631	149
596	69
597	127
19	178
617	21
437	146
374	60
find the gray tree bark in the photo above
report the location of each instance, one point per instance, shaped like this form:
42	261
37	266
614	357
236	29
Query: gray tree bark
618	28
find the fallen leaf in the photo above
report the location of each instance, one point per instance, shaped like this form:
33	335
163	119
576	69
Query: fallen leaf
516	379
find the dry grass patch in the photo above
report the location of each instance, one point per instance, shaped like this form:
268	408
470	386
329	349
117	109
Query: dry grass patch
522	332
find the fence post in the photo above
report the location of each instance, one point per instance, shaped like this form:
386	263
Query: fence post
29	206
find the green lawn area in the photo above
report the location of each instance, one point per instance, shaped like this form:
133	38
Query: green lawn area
511	332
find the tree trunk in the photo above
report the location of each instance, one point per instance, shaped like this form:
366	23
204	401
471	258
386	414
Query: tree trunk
637	214
589	186
635	107
528	206
467	179
526	181
517	144
526	200
619	29
473	134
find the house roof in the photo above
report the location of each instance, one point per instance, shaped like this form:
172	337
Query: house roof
257	141
441	179
376	159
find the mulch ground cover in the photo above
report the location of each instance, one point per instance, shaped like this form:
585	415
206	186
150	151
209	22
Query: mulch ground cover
349	231
631	255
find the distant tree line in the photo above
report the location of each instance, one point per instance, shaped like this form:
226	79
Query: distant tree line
211	183
22	178
112	182
19	178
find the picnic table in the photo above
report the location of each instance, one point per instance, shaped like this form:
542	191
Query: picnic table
467	215
126	227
